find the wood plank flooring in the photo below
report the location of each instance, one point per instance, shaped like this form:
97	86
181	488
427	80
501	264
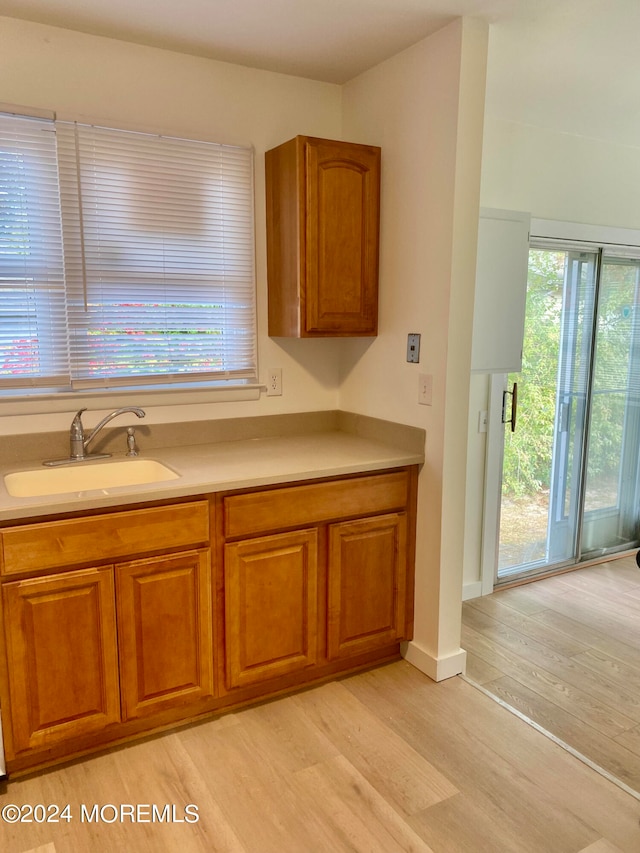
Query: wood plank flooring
565	652
381	762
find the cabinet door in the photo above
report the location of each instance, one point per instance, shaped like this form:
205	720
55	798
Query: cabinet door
342	227
165	630
62	656
367	584
271	602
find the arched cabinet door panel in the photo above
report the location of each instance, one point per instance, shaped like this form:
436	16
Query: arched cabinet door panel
323	213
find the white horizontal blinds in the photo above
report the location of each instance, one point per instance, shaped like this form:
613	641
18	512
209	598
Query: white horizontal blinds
33	339
159	257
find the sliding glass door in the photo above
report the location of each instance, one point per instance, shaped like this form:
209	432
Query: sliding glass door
611	509
570	469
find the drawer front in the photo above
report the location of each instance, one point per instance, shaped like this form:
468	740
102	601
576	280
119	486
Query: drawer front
314	503
33	547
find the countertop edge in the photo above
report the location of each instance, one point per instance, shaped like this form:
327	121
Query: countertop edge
225	466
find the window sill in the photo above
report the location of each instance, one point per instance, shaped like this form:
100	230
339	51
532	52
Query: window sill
33	403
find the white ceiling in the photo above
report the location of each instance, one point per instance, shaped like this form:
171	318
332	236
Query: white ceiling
330	40
569	65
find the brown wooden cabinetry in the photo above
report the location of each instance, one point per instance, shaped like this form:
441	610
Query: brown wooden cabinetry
62	656
271	600
329	583
165	630
323	211
75	541
72	677
366	584
117	623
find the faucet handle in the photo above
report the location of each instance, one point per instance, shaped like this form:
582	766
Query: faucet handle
76	423
76	437
132	447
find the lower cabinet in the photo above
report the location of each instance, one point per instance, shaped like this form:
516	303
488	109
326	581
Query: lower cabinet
271	606
90	652
366	584
62	656
165	632
71	673
117	623
330	592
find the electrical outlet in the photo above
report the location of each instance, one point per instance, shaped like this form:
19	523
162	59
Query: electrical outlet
274	382
425	389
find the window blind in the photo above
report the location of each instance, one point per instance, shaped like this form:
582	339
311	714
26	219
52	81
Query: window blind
155	236
33	328
158	257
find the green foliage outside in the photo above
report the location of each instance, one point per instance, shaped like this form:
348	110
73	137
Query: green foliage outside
614	371
527	459
528	451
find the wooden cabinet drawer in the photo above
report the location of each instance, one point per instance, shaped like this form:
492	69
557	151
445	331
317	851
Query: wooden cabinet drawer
314	503
34	547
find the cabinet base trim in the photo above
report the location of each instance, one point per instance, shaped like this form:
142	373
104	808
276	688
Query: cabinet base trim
437	668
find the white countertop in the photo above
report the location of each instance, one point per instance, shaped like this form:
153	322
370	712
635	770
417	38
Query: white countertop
222	466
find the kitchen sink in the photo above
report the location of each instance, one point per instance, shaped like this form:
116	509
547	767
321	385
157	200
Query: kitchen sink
82	477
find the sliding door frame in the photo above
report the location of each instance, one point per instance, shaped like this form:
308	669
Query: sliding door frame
597	238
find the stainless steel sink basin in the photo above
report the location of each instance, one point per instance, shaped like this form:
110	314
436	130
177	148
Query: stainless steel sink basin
82	477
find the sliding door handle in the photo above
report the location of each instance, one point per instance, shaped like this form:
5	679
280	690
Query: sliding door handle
514	406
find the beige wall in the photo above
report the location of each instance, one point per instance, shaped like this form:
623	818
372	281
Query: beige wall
127	85
560	176
425	108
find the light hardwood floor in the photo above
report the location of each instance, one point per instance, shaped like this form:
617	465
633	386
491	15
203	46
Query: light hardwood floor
565	651
380	762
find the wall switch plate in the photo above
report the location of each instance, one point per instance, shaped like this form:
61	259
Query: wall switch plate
413	348
483	419
425	389
274	382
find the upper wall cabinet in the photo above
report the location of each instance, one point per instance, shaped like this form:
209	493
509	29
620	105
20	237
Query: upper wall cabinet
501	291
323	212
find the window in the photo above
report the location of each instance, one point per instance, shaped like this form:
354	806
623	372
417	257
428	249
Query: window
126	259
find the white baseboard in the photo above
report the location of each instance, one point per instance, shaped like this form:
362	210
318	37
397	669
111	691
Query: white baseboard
471	590
436	668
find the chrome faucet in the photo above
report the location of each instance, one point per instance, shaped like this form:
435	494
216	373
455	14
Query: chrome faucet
78	444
